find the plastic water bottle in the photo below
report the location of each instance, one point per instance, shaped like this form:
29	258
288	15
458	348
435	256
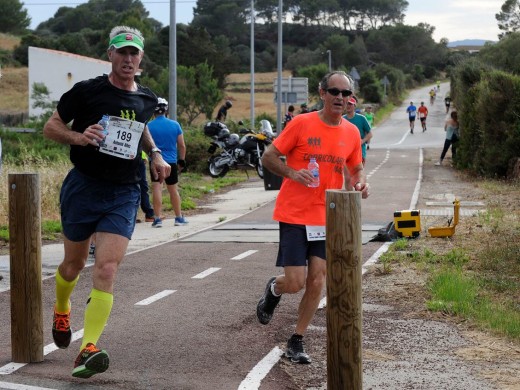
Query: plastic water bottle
104	123
315	170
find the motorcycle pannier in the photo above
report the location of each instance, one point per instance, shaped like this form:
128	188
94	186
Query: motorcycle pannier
212	129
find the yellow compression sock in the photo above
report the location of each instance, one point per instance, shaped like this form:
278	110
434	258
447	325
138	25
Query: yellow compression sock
98	309
63	292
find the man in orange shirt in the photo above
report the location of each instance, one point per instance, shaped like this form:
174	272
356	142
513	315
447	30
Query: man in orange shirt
300	207
423	114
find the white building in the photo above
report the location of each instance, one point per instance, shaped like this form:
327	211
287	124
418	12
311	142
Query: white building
59	71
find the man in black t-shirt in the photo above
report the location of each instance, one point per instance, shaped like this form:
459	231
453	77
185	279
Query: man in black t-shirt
222	111
101	193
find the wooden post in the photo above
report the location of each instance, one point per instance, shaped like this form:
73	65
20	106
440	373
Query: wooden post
344	296
26	268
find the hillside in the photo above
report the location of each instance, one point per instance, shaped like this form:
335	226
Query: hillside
469	42
15	90
14	97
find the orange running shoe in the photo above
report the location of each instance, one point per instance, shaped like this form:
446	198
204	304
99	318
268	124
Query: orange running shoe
61	331
90	361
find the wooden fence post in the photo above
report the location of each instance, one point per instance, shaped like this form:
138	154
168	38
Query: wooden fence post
26	268
344	295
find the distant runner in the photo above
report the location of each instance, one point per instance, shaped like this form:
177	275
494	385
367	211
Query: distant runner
412	112
423	114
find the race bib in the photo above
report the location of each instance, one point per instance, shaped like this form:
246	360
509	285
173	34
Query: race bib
422	115
122	139
315	233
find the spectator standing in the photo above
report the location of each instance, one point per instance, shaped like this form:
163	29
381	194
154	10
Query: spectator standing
334	142
303	108
101	193
423	114
289	115
451	127
447	102
222	111
412	113
361	123
168	136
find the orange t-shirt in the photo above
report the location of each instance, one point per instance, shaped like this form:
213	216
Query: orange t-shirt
423	112
333	147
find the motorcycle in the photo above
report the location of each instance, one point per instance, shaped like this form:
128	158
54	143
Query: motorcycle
235	152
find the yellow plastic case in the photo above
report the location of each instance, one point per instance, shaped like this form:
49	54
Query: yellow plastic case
407	223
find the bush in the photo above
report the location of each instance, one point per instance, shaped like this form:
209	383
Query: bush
488	102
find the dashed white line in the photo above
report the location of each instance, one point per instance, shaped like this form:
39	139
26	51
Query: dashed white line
16	386
244	255
415	196
12	367
203	274
255	376
387	156
155	297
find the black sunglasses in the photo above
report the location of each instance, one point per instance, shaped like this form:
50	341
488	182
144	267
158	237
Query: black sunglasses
336	92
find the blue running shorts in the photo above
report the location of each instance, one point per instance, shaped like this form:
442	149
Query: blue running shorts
89	205
294	249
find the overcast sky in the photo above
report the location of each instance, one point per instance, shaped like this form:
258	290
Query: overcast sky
452	19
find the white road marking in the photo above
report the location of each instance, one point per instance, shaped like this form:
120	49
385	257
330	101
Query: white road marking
254	378
155	297
202	275
244	255
406	134
387	156
373	259
12	367
415	196
16	386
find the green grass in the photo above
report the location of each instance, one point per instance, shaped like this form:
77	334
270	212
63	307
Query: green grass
51	230
455	293
193	187
478	280
452	292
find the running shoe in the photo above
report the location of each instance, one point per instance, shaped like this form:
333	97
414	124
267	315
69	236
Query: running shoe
180	221
157	223
295	350
267	304
61	331
149	219
90	361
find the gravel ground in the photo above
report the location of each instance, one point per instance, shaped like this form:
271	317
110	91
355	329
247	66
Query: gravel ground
404	345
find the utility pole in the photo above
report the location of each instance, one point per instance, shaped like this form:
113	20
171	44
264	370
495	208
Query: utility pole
173	63
329	52
279	66
252	44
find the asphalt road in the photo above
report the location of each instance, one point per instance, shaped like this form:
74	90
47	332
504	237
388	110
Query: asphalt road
201	332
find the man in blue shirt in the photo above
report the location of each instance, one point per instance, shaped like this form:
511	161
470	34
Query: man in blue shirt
361	123
168	137
412	113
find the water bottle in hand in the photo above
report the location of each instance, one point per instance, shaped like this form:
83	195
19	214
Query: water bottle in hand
104	123
315	170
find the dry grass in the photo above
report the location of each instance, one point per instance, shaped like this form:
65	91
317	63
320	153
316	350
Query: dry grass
15	90
51	176
8	42
238	92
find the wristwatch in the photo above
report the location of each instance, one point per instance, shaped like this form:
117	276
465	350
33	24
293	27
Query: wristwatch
155	150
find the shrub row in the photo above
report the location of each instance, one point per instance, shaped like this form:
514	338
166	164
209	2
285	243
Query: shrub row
488	104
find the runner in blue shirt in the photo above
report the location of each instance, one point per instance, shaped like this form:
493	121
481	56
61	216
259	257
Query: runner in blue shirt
412	112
